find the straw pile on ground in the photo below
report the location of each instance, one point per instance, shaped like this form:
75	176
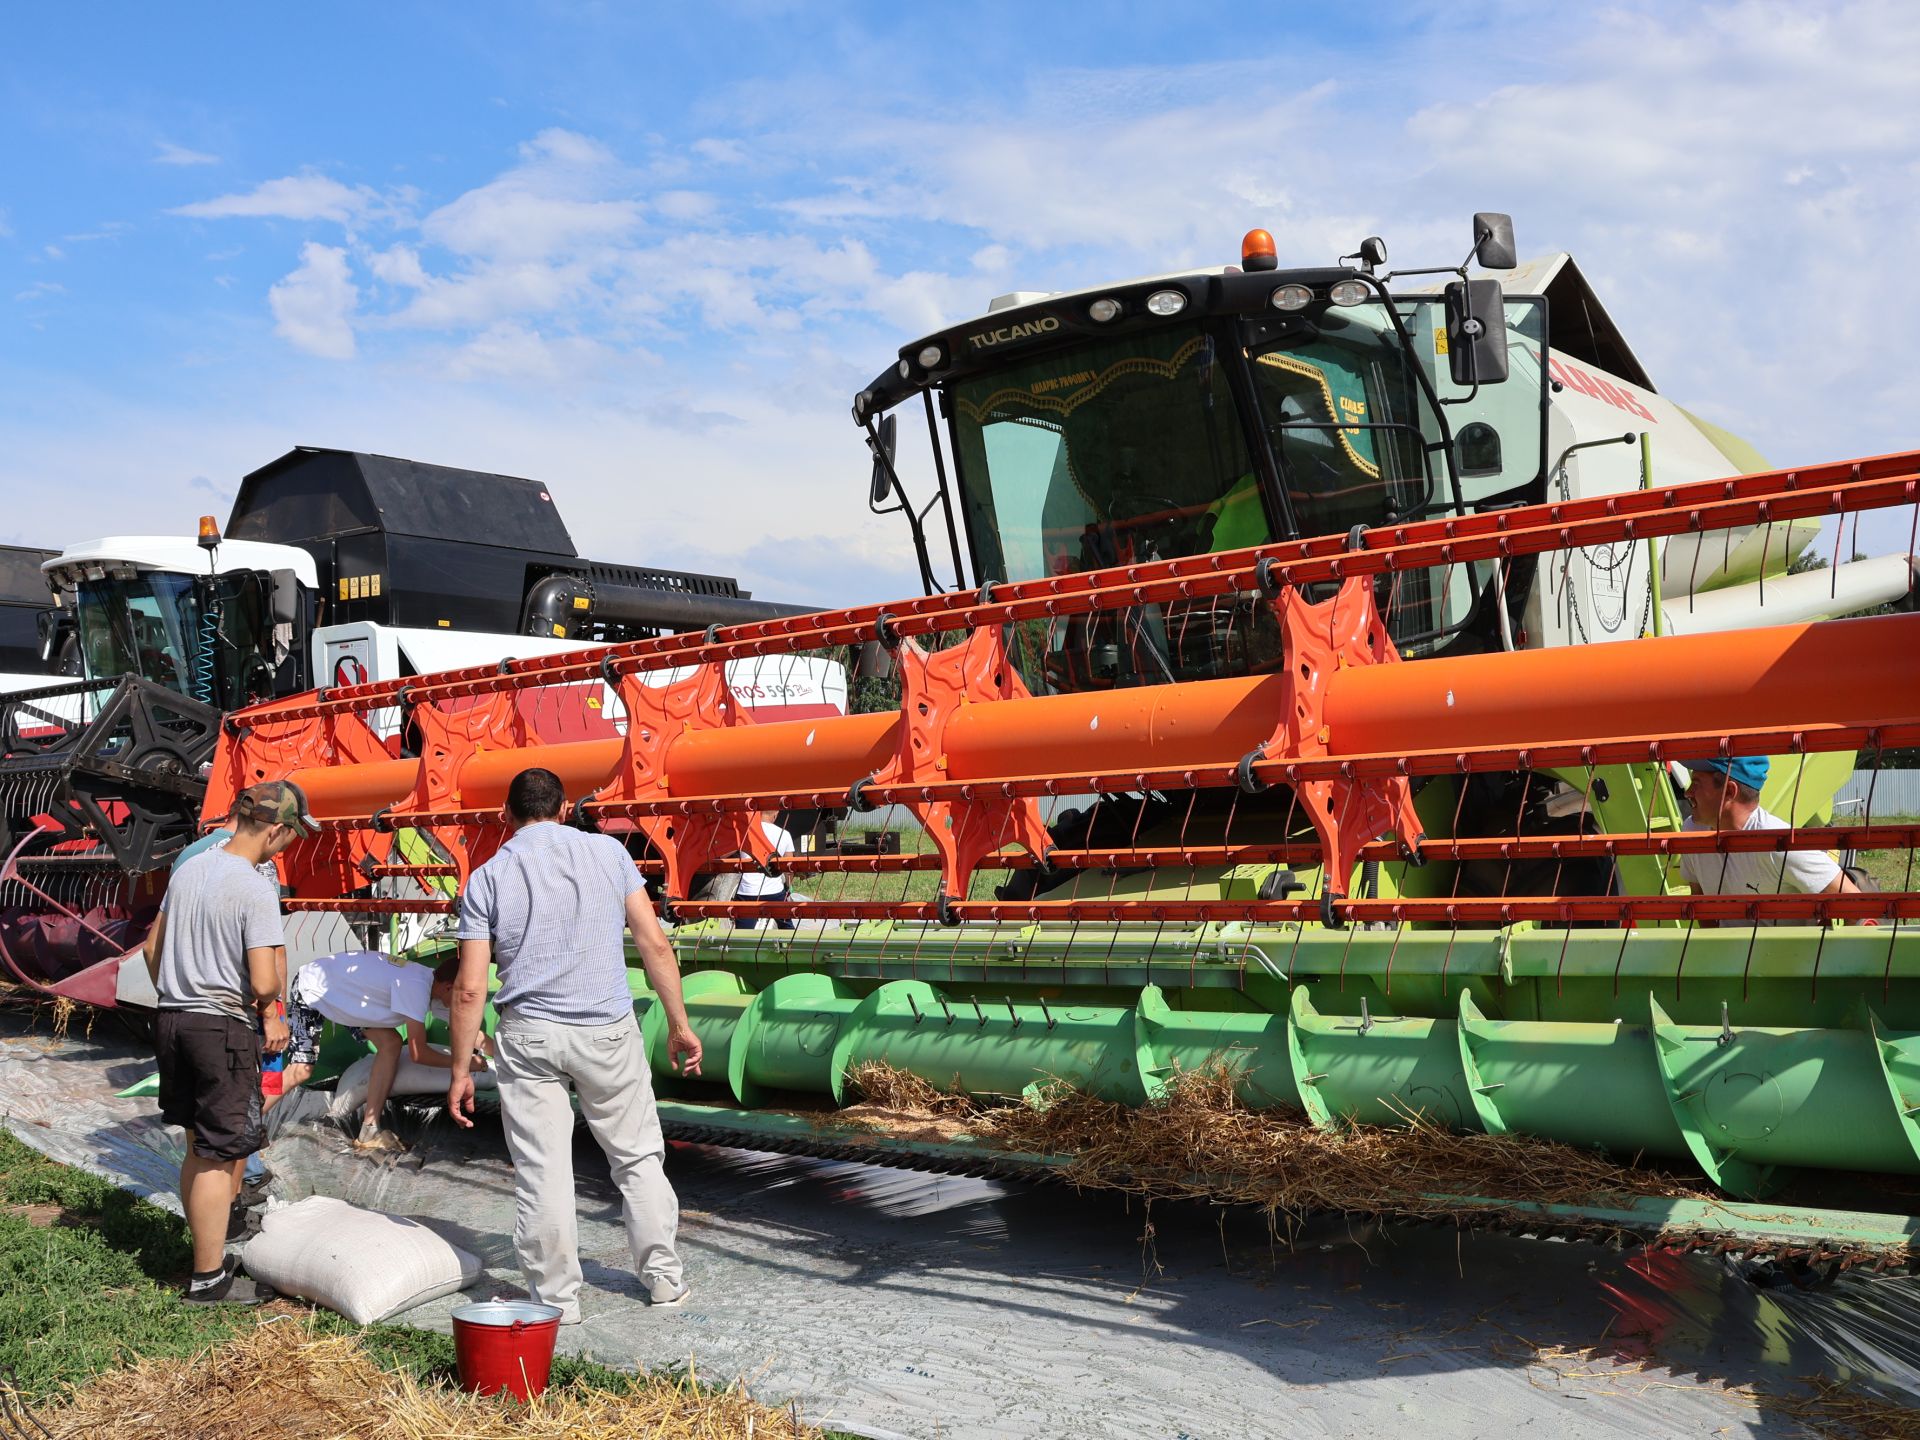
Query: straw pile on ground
281	1382
1201	1142
1839	1412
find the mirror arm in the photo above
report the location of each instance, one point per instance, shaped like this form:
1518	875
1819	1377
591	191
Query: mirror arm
881	458
1559	467
946	497
1460	270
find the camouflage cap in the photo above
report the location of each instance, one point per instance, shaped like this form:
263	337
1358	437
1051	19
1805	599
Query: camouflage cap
276	802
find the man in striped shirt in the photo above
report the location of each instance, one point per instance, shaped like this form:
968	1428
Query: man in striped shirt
548	911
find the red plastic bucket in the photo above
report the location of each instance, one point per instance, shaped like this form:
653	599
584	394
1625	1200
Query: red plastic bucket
505	1345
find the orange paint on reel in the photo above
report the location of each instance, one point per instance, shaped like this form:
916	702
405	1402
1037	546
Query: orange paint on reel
1783	677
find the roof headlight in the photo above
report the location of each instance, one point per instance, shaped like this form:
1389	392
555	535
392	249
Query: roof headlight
1292	297
1106	308
931	356
1349	292
905	368
1166	302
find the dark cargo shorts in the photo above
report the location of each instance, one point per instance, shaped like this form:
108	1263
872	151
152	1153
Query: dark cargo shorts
210	1081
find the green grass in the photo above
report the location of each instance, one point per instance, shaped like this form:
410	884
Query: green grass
895	887
1891	869
100	1288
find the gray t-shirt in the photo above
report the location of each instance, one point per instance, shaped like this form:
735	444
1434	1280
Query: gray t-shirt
1761	872
218	908
553	901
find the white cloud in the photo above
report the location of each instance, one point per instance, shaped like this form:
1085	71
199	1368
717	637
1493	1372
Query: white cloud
555	200
306	196
685	204
40	290
313	307
109	230
168	153
399	265
720	152
506	351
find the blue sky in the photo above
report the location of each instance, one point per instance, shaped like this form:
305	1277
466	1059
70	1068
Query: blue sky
648	256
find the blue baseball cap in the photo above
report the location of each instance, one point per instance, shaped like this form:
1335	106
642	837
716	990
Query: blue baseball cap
1747	770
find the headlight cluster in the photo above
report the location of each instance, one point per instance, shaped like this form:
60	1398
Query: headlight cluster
1342	292
1164	303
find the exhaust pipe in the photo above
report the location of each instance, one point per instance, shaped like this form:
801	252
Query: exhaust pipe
560	605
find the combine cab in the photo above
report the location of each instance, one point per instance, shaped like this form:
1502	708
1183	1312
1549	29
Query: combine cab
1263	728
336	568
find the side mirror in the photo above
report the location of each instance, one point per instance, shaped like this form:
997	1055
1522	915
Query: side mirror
1493	240
883	444
57	637
1476	332
284	591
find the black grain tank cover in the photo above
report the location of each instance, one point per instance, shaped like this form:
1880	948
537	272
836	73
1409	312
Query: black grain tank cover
399	542
23	595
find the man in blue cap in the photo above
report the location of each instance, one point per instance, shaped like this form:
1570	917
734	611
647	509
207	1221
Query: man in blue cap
1725	795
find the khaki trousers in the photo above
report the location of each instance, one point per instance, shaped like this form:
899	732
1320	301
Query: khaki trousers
605	1065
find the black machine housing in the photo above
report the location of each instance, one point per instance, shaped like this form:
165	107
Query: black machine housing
26	607
403	543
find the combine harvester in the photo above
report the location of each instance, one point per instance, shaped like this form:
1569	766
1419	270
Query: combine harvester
335	567
1265	722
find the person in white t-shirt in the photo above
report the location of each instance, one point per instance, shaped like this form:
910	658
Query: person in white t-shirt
374	996
1725	795
763	885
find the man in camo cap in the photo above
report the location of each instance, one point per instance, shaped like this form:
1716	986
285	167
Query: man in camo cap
212	955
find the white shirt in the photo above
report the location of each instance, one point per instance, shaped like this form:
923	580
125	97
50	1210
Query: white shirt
755	883
1807	872
363	988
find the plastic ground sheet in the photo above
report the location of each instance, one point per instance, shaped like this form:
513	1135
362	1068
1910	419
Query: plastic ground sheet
897	1304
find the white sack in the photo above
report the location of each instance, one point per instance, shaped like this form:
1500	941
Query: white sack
361	1263
412	1078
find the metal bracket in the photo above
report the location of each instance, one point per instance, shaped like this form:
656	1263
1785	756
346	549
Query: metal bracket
1347	812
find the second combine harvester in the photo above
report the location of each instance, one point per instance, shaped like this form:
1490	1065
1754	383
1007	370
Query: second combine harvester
1262	718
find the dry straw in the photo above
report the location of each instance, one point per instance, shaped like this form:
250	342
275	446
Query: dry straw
281	1382
1201	1142
1839	1412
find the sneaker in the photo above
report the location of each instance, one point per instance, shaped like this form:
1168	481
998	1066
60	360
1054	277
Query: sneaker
381	1142
253	1191
664	1293
225	1288
239	1222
